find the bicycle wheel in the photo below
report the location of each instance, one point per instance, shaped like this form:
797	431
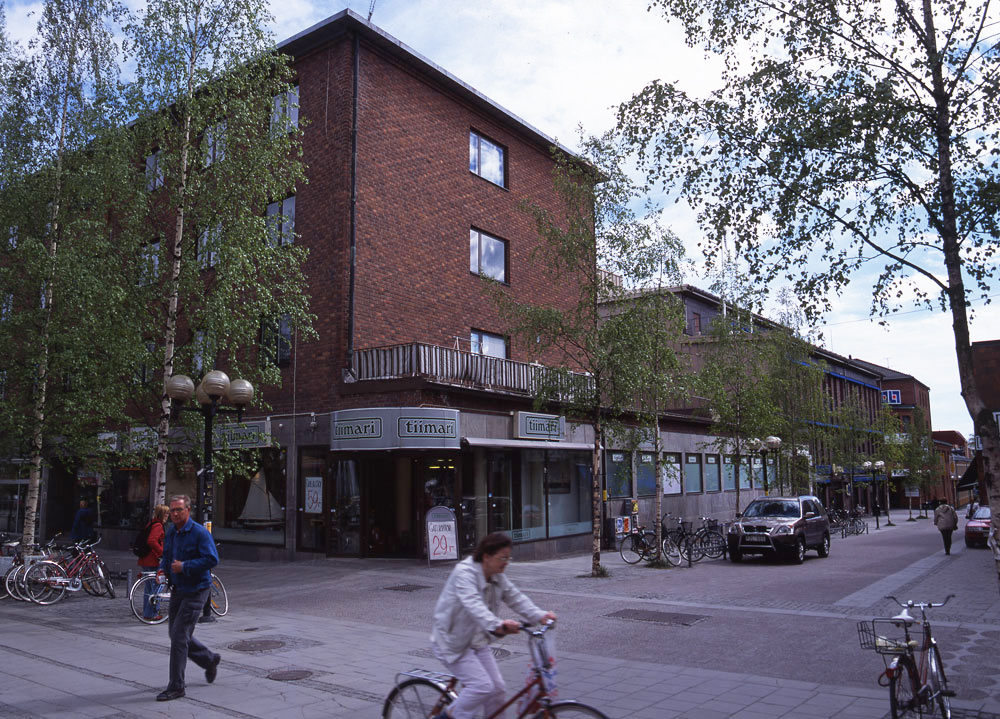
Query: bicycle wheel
15	582
45	582
220	599
712	544
903	701
569	710
671	552
157	602
415	699
631	548
90	579
939	685
105	577
690	551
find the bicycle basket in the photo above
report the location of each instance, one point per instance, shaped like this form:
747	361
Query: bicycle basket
884	636
712	524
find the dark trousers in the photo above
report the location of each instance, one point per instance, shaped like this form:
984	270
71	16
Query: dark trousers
184	612
946	536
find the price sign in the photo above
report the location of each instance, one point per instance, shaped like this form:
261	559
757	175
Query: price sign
442	534
314	495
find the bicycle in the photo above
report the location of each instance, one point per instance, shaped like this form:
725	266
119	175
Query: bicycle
854	525
159	598
687	541
421	694
640	543
48	581
915	674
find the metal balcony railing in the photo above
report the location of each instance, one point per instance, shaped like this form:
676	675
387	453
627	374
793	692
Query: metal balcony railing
466	369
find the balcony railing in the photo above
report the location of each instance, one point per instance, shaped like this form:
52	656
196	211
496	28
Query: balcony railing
461	368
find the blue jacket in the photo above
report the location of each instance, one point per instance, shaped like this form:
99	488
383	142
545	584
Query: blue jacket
193	545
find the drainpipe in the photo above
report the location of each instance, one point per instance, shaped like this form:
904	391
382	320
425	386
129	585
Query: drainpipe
348	373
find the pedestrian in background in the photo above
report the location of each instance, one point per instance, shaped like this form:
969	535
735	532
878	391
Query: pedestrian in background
465	620
188	557
946	520
83	523
151	560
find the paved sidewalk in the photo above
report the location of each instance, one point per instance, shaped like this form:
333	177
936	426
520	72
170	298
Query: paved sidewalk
87	657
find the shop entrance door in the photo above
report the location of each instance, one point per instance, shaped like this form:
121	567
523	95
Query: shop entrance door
344	502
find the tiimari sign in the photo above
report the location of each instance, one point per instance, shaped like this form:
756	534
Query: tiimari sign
395	428
531	425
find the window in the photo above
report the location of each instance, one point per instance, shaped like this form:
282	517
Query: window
150	268
486	159
281	222
618	473
692	474
694	326
5	306
712	473
671	469
484	343
145	371
208	246
12	237
729	473
645	475
199	351
285	112
154	171
487	255
276	341
215	143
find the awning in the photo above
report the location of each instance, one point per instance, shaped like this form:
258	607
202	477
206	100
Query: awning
526	444
970	478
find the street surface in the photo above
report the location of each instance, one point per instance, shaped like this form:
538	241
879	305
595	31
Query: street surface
719	640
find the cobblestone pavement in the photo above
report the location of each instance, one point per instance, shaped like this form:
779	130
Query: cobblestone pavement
326	638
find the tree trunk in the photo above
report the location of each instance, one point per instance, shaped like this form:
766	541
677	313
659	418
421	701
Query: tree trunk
595	488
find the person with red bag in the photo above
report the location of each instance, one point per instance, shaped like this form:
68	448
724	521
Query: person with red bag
154	550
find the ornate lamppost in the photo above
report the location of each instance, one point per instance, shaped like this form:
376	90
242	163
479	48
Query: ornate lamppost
769	444
214	388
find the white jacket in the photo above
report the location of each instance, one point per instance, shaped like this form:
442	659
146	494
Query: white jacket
467	609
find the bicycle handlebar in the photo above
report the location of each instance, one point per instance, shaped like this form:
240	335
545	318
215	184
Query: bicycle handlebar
920	605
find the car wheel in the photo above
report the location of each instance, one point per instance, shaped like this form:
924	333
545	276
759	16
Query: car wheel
799	554
823	549
736	556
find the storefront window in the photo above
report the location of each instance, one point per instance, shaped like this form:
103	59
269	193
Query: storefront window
123	498
345	508
671	471
712	473
312	481
569	490
530	519
758	472
618	472
645	475
251	508
13	491
692	474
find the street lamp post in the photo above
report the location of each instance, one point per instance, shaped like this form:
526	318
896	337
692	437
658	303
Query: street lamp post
880	467
771	444
214	387
872	467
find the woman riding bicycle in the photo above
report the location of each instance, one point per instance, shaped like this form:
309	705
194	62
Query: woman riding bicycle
465	620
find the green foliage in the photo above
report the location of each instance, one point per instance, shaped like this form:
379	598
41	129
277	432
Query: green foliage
610	256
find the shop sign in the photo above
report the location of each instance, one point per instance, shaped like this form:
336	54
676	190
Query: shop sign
244	435
532	425
107	441
395	428
142	438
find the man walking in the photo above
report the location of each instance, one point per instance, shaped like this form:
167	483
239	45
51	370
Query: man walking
188	557
946	520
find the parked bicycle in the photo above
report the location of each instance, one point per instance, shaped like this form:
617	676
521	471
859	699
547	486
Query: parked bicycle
915	673
421	694
23	559
79	567
640	543
854	525
150	601
706	541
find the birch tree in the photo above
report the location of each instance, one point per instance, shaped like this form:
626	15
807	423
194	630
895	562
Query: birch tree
218	110
849	139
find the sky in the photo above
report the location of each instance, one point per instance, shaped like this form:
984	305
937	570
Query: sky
561	65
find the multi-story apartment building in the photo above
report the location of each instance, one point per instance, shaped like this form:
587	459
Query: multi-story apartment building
413	396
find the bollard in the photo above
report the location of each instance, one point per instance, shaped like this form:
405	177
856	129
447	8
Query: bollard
129	581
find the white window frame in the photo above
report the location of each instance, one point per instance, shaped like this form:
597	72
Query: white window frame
154	173
280	218
215	143
480	342
285	110
476	263
476	141
208	246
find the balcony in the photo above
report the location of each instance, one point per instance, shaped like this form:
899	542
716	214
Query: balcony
460	368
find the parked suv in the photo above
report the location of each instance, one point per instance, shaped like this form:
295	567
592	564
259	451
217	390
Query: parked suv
784	526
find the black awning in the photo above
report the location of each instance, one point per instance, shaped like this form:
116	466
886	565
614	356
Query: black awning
970	478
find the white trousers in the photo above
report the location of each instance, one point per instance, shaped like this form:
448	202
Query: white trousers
482	685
